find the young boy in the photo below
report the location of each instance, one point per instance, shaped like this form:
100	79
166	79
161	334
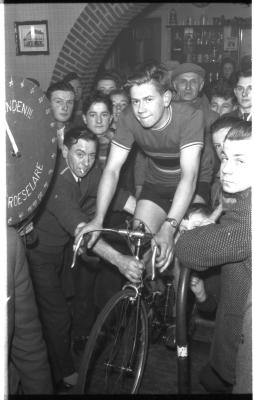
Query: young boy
219	130
98	115
223	98
228	245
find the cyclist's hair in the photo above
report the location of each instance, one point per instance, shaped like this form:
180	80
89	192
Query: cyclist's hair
241	130
225	121
73	135
198	207
150	72
64	86
97	97
223	89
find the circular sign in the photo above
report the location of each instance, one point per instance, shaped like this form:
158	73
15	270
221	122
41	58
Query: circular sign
31	147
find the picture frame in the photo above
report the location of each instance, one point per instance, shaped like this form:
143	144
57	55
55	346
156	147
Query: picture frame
31	37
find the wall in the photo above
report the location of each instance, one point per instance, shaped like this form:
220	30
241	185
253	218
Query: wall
81	34
184	10
61	18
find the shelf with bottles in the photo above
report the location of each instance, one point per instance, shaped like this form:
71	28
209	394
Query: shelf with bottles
202	44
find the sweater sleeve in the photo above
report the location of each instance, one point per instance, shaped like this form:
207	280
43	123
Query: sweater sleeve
214	244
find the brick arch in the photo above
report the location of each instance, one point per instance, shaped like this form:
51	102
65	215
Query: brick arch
91	37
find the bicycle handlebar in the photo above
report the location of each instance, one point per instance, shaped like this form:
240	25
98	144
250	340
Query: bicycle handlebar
123	232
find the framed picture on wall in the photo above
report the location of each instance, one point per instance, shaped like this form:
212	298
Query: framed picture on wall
31	37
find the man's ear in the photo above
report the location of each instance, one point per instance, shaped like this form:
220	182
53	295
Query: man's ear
201	85
167	97
65	151
84	118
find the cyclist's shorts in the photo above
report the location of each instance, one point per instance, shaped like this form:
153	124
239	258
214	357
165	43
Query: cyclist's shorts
160	195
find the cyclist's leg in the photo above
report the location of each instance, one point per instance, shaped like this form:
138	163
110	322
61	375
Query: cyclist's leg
150	213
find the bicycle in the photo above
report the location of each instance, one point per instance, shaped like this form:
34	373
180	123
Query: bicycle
116	351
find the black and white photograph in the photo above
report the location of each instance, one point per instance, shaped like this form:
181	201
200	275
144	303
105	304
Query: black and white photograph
127	179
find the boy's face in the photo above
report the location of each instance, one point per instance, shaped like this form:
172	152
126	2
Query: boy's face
106	85
119	101
243	92
76	84
80	157
236	163
62	103
188	86
218	140
150	107
228	69
195	219
222	105
98	118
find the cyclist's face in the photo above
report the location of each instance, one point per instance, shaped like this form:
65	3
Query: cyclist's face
150	107
188	86
222	105
62	103
218	140
80	157
235	171
98	118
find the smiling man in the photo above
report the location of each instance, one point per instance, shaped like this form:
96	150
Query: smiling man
227	244
171	135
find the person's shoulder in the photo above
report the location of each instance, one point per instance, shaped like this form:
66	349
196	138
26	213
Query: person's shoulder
184	109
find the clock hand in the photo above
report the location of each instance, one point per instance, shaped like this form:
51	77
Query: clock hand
16	151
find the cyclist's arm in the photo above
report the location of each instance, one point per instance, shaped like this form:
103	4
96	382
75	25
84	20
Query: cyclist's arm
109	180
106	191
189	162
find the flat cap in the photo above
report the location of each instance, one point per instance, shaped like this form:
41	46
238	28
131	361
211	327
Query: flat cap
187	67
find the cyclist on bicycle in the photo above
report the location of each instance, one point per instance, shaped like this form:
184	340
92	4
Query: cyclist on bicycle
171	135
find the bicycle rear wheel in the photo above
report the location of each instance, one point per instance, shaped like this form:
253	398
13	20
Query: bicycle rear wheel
116	351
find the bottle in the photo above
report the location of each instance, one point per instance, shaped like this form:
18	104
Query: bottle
172	17
177	46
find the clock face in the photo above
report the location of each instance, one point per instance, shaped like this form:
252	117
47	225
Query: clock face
31	147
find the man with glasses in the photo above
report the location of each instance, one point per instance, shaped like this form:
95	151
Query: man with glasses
61	96
243	93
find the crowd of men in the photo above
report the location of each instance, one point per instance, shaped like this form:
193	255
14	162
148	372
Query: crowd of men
149	147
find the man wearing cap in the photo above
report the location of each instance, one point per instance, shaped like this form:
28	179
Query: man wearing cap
188	82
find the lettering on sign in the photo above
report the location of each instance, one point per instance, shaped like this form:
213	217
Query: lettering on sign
20	107
19	198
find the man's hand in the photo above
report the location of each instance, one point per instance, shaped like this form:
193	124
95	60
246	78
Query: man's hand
85	228
130	267
165	241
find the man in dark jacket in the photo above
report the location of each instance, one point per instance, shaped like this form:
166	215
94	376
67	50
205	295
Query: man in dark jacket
59	217
28	366
226	244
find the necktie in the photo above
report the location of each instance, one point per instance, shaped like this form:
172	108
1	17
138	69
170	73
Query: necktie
245	116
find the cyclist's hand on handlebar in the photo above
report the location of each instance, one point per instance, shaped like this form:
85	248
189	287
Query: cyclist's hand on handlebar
85	228
130	267
165	241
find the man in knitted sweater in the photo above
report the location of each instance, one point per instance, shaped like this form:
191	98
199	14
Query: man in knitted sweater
226	244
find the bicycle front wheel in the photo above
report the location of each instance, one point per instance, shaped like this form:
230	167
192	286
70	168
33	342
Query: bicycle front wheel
116	351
